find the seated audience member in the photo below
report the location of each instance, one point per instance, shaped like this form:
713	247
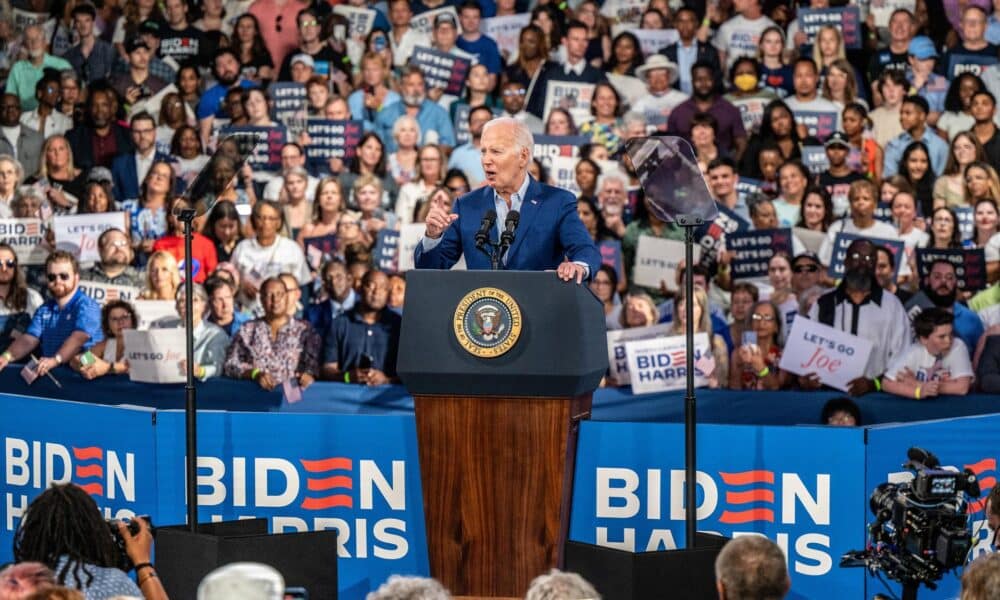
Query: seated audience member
267	254
885	273
361	344
274	348
988	367
561	585
65	530
162	277
66	324
935	364
863	199
807	272
603	285
718	373
842	412
222	305
940	289
210	340
115	266
751	566
20	581
755	364
981	579
18	302
108	355
338	286
294	300
742	299
402	586
638	310
242	580
223	229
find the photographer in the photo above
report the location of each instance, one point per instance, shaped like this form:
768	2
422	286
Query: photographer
63	529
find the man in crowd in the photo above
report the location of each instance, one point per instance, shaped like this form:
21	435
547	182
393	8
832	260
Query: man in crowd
17	140
612	198
340	296
326	61
923	79
483	47
66	324
688	49
940	289
885	272
435	126
137	83
972	52
403	38
25	73
722	181
751	566
92	58
179	39
913	118
983	110
361	344
574	70
466	157
115	266
100	139
226	69
730	136
164	69
292	156
740	35
837	178
934	364
659	74
894	57
805	80
129	169
46	118
512	96
806	272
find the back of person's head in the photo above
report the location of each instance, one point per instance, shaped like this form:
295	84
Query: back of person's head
751	567
56	593
399	587
19	580
242	581
557	585
981	579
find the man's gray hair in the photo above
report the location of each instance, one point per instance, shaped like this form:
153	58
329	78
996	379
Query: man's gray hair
557	585
197	291
399	587
522	135
611	176
634	117
752	566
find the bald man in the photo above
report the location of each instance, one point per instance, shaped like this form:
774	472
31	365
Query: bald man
549	235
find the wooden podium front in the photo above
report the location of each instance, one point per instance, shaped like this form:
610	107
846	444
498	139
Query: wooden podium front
497	434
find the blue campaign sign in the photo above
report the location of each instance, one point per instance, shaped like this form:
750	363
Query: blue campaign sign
845	18
802	487
358	475
814	158
331	139
442	69
843	240
108	451
969	263
752	250
968	63
266	155
712	234
747	187
965	442
386	253
966	221
289	100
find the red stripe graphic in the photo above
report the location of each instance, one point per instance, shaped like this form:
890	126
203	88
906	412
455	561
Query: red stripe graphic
328	502
337	481
88	453
748	477
326	464
751	496
987	483
94	489
745	516
976	506
987	464
85	471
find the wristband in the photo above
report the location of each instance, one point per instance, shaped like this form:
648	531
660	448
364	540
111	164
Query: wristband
58	358
200	371
7	356
706	22
147	578
916	393
254	374
878	384
347	377
764	372
142	566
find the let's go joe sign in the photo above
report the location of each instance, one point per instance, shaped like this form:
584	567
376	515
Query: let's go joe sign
834	356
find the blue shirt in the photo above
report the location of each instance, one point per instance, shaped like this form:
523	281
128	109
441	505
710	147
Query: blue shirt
53	325
349	337
993	30
430	117
239	318
485	50
211	101
356	103
968	326
467	159
686	56
937	147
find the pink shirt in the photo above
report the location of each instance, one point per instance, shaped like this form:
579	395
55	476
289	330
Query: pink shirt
273	16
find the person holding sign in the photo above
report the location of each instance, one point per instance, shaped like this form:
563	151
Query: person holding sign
715	367
550	213
210	340
935	364
755	361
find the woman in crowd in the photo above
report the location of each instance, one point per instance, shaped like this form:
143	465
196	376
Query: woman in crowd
267	254
855	123
744	296
257	106
606	127
97	198
719	376
317	95
188	153
135	12
376	42
256	64
944	233
148	215
275	347
816	210
599	44
587	171
11	176
777	128
957	115
374	91
793	179
204	257
370	159
551	21
478	91
861	221
747	92
626	55
908	224
173	116
162	277
109	354
603	284
18	302
593	220
532	52
915	167
368	194
639	311
704	138
893	86
755	366
560	122
189	86
222	305
430	161
440	197
779	275
327	208
458	184
210	340
296	207
403	162
653	19
70	97
890	186
223	229
65	181
213	18
840	85
987	235
64	529
981	183
828	48
775	72
949	188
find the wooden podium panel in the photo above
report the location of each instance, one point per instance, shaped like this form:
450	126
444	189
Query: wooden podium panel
497	476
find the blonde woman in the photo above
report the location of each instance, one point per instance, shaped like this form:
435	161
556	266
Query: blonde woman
403	162
327	208
950	189
162	277
829	47
719	376
430	170
639	311
65	182
11	176
840	85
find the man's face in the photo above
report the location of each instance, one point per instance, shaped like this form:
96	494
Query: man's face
301	72
308	28
703	82
227	69
503	160
115	250
176	12
686	23
291	157
805	274
658	81
139	58
10	110
837	155
144	136
941	280
469	19
62	279
982	108
222	302
612	193
973	25
413	88
445	35
576	44
513	97
860	259
477	120
268	222
723	181
901	27
84	25
911	117
375	290
34	41
234	106
804	79
863	203
337	281
883	269
940	340
400	14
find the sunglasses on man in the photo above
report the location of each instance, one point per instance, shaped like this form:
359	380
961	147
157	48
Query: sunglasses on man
805	269
53	276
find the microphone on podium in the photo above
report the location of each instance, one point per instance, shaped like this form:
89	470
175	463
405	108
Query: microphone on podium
483	235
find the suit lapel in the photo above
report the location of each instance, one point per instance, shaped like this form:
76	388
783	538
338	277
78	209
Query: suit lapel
530	206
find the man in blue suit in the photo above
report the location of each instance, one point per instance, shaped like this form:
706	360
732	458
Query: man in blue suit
129	169
550	235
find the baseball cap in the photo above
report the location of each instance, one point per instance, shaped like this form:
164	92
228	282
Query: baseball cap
134	43
807	255
922	48
445	18
304	59
151	26
837	138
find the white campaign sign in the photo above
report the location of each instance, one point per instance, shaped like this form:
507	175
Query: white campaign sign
27	238
570	96
506	30
653	40
361	19
659	364
834	356
424	22
151	311
656	260
155	356
617	338
78	234
409	236
102	293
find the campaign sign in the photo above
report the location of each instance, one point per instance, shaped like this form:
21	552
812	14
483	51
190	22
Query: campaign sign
102	293
836	357
27	238
814	158
751	112
883	212
441	69
107	451
320	249
660	364
656	261
968	63
155	356
819	124
752	250
970	265
845	18
617	338
505	31
266	154
361	19
331	139
802	487
883	9
623	12
611	255
652	41
409	236
289	470
290	101
77	234
812	240
550	146
424	22
965	215
153	312
570	96
711	236
843	240
747	187
386	252
562	172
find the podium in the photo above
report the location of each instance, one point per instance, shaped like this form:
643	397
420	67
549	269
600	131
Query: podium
501	365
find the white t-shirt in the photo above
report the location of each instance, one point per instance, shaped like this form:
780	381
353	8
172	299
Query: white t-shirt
256	263
740	36
656	109
927	367
992	248
817	104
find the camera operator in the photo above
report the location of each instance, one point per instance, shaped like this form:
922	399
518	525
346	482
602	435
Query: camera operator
993	514
63	529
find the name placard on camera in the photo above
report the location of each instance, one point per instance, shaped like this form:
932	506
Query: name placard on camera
155	356
836	357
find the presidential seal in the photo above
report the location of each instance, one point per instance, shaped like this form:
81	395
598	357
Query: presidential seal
487	322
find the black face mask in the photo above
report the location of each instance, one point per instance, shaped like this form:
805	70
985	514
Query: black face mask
941	300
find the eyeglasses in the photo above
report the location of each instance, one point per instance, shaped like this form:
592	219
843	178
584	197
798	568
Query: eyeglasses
53	276
805	269
116	244
309	23
517	92
10	263
760	317
862	257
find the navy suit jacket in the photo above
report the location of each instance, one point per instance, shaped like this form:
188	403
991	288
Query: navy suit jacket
549	232
126	178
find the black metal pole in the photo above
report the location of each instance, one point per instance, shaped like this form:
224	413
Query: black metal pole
690	472
910	589
191	402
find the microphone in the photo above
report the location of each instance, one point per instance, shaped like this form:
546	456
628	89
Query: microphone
483	235
509	226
